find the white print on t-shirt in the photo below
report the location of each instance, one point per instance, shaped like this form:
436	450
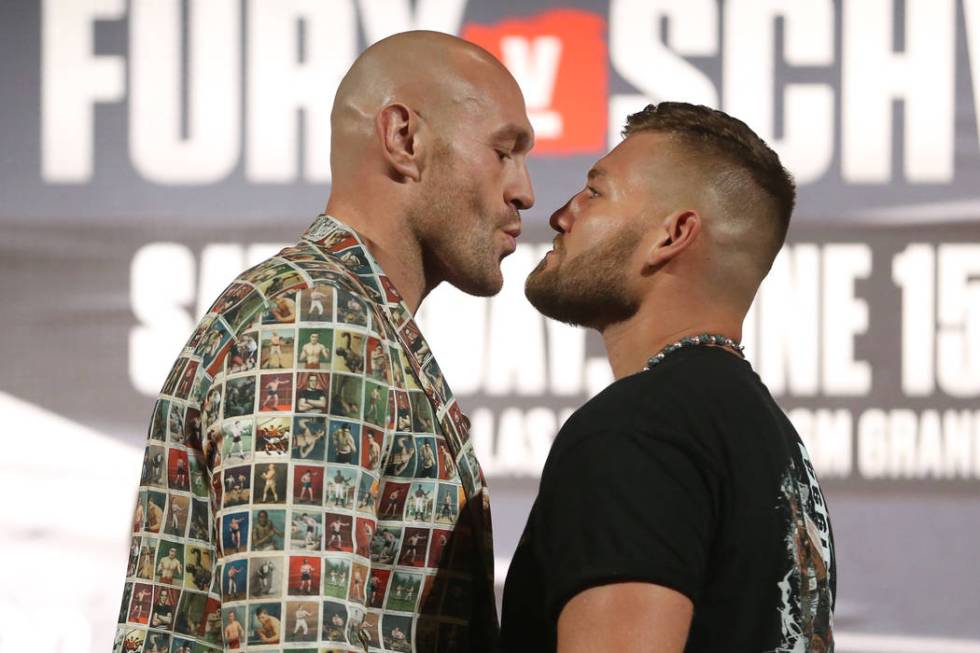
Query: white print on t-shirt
807	600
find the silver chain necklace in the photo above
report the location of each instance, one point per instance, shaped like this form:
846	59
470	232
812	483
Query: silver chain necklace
694	341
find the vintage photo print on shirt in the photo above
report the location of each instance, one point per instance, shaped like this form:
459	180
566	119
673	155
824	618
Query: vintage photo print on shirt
438	548
234	532
336	575
414	547
243	355
393	500
178	477
401	460
198	567
404	591
375	403
265	578
265	624
422	420
190	619
158	423
341	486
304	575
234	580
272	437
308	485
237	485
270	482
371	441
281	309
447	503
421	496
385	544
396	632
367	493
276	392
268	530
278	347
343	443
140	604
309	440
377	587
156	503
311	392
351	309
302	621
306	530
314	349
178	509
239	396
169	568
334	621
316	304
338	532
345	396
348	352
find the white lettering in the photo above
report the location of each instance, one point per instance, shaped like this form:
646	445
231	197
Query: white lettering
844	317
914	271
827	435
958	343
158	149
281	83
72	82
922	77
971	14
902	444
872	443
656	68
788	325
535	67
161	289
807	146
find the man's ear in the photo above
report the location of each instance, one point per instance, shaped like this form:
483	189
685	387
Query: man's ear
675	234
396	126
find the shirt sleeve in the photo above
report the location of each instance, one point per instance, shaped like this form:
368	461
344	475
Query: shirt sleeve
279	409
169	593
621	506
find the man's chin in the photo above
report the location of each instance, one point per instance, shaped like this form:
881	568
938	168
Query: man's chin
484	286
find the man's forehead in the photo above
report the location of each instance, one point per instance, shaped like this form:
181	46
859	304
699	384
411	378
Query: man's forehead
638	154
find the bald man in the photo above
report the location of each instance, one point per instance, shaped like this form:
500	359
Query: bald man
678	509
429	140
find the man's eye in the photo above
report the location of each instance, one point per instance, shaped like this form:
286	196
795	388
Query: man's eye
503	155
592	192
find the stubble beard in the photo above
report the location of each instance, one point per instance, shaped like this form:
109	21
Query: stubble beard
457	234
588	290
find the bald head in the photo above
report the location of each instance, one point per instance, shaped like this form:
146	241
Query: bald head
439	77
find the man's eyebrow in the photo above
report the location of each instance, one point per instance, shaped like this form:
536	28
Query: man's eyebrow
523	139
596	172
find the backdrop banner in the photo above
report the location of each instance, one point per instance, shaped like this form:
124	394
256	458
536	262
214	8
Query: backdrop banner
152	149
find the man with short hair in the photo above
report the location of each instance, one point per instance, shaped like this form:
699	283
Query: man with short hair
429	140
706	528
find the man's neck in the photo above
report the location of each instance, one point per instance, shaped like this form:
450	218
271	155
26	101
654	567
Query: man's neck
392	245
630	343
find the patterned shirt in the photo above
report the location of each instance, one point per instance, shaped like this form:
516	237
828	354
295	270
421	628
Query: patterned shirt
309	480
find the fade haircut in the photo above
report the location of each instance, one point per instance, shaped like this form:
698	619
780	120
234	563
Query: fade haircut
744	171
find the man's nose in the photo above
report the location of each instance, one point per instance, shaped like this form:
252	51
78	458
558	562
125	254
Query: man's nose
521	195
562	219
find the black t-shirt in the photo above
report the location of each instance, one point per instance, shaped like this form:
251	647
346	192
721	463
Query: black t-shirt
688	476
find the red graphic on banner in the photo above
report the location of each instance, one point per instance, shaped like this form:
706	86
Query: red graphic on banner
559	59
